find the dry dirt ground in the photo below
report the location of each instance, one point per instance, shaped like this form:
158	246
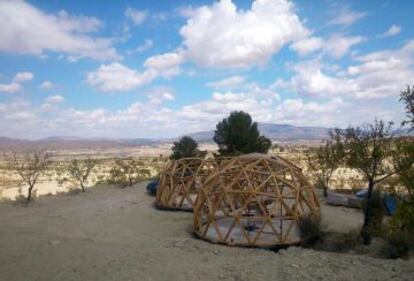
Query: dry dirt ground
115	234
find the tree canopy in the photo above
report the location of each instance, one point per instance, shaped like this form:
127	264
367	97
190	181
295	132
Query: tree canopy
238	134
325	160
184	148
367	149
80	170
403	162
29	167
407	97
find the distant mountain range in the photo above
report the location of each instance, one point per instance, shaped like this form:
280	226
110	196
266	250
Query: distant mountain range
276	132
56	143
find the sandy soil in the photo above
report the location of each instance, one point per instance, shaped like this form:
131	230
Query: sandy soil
110	233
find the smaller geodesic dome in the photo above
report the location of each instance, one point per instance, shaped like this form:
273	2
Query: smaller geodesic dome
180	182
254	200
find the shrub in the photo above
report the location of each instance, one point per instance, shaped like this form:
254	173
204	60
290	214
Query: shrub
310	230
320	184
128	172
367	149
377	211
184	148
73	191
21	199
238	134
29	167
344	242
325	160
80	170
398	244
404	216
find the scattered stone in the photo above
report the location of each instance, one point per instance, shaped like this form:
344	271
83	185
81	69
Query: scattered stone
295	265
54	243
216	252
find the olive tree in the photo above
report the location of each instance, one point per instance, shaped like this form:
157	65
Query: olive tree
367	150
407	96
325	160
29	167
238	134
80	170
184	148
403	161
128	171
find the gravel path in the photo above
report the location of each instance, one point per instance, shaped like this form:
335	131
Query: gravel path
115	234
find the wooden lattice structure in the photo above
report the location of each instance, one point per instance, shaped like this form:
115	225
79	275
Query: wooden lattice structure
254	200
181	180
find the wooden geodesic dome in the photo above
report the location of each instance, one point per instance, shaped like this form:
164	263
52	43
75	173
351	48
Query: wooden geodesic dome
180	182
254	200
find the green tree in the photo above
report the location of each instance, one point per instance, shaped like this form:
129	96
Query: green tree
403	161
80	170
128	171
238	134
184	148
30	166
325	160
407	97
367	149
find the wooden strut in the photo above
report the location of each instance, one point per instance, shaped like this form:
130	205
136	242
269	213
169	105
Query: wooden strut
181	180
253	200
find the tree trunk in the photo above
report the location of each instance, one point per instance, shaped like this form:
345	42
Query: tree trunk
29	194
326	186
83	188
325	191
366	228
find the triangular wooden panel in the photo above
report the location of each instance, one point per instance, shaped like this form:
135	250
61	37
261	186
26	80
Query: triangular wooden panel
181	180
261	198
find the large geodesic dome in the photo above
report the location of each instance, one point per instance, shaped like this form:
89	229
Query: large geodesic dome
180	182
254	200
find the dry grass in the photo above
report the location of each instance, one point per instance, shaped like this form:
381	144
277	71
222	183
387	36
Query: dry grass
57	180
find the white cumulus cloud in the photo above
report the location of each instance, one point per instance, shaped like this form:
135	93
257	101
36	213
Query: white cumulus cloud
117	77
146	45
27	30
51	102
307	45
228	83
55	99
46	85
374	75
136	16
392	31
347	17
16	84
166	65
223	36
338	45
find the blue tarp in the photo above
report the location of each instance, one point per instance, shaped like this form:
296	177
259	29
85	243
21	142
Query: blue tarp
152	187
389	200
390	204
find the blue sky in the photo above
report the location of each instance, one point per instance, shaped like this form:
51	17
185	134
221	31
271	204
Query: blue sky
165	68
